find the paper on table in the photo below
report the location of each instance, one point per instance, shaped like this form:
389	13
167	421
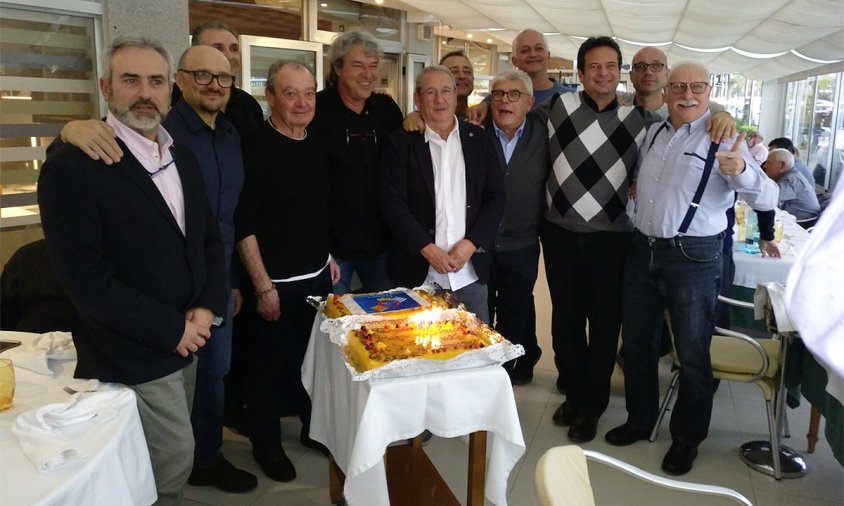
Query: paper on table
34	354
40	431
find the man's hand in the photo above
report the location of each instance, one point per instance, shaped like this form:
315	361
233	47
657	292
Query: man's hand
439	259
334	268
721	126
769	249
730	162
237	301
193	338
461	252
477	114
631	190
413	123
268	306
201	316
95	138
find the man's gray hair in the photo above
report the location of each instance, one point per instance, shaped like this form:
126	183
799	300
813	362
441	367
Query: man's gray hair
341	45
687	63
434	68
513	75
783	155
518	38
122	43
211	25
276	67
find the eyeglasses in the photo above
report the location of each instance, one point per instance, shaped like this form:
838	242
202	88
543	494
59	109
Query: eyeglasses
642	67
697	87
512	95
203	77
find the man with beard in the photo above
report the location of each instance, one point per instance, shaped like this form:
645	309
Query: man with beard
138	250
464	76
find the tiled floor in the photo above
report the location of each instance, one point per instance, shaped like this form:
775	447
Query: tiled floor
738	416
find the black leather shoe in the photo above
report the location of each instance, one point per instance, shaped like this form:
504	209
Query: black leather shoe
625	435
224	476
564	415
523	371
313	444
275	464
583	428
679	458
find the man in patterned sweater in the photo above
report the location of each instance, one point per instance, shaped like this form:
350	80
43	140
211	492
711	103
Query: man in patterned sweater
594	144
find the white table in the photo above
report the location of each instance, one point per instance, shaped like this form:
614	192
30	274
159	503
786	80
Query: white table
356	420
752	270
117	469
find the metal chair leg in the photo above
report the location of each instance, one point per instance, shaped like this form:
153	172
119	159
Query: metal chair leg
774	440
672	387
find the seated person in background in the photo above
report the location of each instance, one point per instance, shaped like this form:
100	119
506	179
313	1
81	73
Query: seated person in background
31	298
757	149
797	194
785	143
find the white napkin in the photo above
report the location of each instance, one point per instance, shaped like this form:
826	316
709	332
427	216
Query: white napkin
34	354
40	431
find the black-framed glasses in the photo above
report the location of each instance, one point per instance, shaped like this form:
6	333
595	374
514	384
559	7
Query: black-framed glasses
697	87
203	77
512	95
642	67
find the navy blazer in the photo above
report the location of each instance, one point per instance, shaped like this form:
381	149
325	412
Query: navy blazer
407	201
130	272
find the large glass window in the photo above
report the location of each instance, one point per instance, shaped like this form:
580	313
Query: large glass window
268	18
49	77
344	15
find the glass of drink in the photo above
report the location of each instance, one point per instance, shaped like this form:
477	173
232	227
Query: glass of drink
778	228
7	383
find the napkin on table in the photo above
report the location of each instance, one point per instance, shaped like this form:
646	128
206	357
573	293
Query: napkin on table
39	431
34	354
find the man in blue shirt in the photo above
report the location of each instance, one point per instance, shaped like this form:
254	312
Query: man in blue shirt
797	194
674	262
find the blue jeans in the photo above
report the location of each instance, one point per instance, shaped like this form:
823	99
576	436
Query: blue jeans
511	303
372	273
213	361
681	275
474	297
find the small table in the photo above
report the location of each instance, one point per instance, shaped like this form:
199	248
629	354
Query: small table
357	420
117	468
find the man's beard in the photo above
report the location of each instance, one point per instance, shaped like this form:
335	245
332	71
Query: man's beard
135	121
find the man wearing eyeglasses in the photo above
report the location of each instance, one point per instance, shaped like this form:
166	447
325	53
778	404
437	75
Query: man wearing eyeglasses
674	261
442	194
520	140
648	74
593	145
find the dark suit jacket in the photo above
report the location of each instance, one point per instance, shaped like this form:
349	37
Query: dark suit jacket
407	201
126	266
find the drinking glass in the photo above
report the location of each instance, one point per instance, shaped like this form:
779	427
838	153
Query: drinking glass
7	383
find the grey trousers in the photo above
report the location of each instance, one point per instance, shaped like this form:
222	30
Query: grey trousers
164	406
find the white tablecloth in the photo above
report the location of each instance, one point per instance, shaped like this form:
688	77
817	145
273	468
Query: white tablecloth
116	470
357	420
752	270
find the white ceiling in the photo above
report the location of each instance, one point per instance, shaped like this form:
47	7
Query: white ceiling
761	39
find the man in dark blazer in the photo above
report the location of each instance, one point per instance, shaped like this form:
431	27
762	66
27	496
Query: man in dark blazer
520	140
139	252
442	195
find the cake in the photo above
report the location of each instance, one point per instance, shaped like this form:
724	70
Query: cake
433	334
396	303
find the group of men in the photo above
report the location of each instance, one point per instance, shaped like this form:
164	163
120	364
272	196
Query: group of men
333	187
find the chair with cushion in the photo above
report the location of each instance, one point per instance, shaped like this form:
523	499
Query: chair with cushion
562	479
739	357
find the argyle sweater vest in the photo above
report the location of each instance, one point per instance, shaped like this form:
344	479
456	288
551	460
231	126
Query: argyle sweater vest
593	154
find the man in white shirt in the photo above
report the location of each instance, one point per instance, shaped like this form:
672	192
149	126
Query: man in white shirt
674	261
442	195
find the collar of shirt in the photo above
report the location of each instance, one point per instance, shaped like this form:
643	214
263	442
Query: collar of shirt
508	145
594	105
430	135
152	155
693	127
194	123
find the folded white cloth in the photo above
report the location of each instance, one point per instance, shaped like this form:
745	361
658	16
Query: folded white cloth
34	354
40	431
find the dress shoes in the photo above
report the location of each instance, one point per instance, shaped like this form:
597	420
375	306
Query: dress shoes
522	373
679	458
626	435
313	444
224	476
583	428
564	415
275	464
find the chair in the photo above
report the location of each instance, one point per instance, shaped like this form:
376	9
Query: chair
562	478
739	357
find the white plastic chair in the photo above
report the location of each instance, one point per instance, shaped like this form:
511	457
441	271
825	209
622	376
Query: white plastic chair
562	478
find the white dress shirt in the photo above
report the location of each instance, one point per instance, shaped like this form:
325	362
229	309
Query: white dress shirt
449	203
